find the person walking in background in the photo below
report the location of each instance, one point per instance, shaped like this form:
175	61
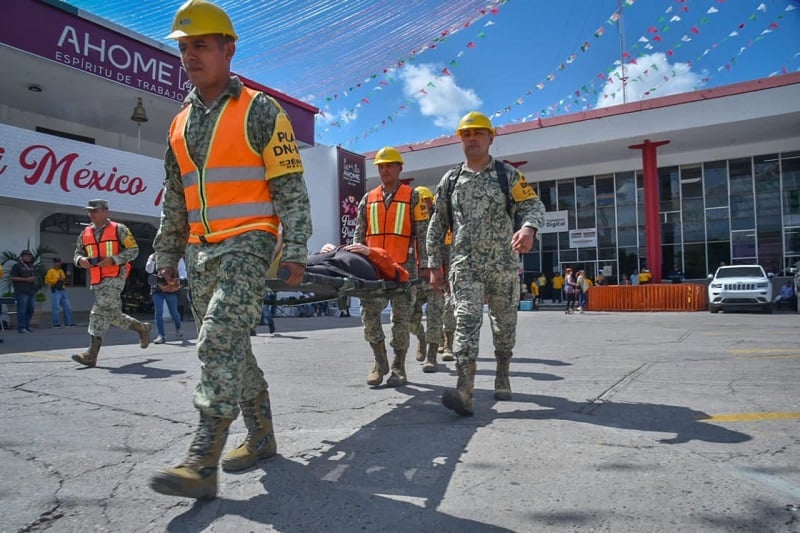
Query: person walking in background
676	276
234	181
24	276
541	281
428	342
570	290
392	217
162	293
558	285
105	248
495	215
55	279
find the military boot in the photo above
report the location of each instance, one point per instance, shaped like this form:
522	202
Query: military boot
143	329
398	377
89	357
260	442
421	345
447	354
430	365
196	476
381	367
502	385
460	398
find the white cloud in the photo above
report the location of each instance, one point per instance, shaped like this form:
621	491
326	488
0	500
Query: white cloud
446	102
652	76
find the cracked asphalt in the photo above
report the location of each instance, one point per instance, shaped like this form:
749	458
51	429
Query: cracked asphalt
620	422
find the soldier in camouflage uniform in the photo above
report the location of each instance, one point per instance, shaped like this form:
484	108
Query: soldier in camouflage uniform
106	248
428	342
391	217
233	178
484	256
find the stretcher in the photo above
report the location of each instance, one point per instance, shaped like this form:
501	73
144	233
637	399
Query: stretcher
320	288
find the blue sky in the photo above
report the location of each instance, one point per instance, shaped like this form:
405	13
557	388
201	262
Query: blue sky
392	73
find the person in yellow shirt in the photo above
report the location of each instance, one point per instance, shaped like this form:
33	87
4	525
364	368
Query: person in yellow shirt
558	284
535	290
55	279
645	277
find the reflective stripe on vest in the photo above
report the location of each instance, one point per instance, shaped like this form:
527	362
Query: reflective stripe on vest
390	228
107	247
230	194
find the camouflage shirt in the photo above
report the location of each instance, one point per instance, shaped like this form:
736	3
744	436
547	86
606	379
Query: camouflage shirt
419	228
482	227
289	193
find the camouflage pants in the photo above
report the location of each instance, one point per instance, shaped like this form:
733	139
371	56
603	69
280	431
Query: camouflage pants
448	313
107	308
470	288
435	301
227	295
402	306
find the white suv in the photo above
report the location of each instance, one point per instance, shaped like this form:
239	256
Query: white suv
740	287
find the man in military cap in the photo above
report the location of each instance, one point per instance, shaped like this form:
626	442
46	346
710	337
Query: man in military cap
106	248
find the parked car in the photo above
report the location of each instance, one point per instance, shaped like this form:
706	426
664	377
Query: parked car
739	288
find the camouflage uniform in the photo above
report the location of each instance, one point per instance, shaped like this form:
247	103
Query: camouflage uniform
227	278
482	264
433	314
107	308
402	304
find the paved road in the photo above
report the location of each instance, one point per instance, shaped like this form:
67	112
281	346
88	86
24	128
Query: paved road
620	422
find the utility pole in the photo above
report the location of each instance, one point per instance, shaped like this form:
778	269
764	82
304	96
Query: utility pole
621	32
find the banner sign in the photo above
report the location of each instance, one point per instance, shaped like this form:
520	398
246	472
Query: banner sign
554	222
83	45
583	238
352	173
50	169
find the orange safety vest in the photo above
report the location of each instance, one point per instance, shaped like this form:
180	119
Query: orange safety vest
107	247
390	228
230	194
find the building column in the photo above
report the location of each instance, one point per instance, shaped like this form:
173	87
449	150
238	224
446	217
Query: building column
652	220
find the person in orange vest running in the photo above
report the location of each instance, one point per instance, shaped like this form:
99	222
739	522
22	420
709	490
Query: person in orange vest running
393	217
105	248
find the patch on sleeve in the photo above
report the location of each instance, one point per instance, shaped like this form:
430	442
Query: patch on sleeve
281	155
421	212
523	190
130	241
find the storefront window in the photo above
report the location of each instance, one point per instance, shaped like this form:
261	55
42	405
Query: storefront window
584	193
671	228
741	194
669	191
694	261
691	181
715	181
625	188
717	227
743	243
790	170
547	194
694	229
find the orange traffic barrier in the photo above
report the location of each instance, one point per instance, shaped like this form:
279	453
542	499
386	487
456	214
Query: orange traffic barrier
656	297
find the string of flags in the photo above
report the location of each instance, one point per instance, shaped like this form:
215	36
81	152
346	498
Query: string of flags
387	73
430	85
651	41
578	98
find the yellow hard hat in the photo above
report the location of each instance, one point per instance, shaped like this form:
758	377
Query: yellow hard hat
424	192
473	121
387	154
201	17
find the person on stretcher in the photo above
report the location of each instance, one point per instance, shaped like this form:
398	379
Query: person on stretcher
356	260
